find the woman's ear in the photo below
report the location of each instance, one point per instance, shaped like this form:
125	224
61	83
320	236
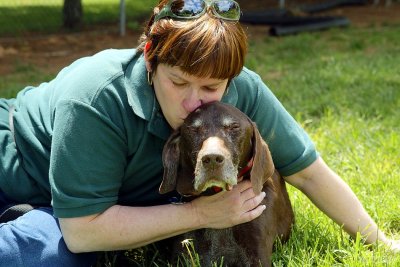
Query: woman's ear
146	58
148	65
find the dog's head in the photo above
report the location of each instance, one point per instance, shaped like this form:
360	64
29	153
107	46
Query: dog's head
210	149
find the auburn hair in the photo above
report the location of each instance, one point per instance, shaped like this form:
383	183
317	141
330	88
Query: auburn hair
202	47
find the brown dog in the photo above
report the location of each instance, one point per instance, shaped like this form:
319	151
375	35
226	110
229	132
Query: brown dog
213	150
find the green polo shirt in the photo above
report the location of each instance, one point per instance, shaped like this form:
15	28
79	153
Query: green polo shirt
93	136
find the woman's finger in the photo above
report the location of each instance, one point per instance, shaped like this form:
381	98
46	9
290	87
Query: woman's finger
253	202
253	214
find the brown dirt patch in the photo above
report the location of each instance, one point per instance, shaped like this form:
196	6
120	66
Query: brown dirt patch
52	52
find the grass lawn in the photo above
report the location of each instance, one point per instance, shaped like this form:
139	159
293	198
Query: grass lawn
343	87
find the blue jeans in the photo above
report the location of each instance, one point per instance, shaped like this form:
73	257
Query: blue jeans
35	239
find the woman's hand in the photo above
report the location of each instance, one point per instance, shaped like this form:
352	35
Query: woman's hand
229	208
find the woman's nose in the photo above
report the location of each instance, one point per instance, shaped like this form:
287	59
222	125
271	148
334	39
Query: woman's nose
192	101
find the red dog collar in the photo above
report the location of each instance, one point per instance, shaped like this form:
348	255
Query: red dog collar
246	168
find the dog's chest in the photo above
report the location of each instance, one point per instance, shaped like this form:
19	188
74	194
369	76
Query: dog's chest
219	245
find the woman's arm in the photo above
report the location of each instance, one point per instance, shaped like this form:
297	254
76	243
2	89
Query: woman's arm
335	198
122	227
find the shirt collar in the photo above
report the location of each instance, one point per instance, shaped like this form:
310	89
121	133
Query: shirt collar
140	94
142	99
231	94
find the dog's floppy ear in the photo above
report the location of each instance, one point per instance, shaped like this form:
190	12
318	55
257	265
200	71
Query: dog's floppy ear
263	166
170	158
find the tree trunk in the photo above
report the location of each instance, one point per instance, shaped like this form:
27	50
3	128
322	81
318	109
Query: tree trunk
72	13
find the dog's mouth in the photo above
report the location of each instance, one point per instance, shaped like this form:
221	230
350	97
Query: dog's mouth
214	186
215	181
210	188
211	191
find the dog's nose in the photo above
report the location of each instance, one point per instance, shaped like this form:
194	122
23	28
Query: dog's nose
212	160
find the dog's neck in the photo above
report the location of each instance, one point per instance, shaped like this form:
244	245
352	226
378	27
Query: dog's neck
245	169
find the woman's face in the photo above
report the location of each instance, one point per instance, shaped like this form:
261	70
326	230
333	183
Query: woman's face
179	93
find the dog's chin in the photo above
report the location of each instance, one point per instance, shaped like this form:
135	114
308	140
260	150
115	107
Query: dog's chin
214	186
211	191
211	187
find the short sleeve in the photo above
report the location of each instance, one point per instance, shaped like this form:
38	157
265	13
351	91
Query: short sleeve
87	160
291	147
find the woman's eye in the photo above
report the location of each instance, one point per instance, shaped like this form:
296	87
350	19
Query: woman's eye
177	84
210	89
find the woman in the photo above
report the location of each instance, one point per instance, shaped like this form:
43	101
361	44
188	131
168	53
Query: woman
85	148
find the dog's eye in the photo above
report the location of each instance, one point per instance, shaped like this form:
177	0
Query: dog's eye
232	126
195	129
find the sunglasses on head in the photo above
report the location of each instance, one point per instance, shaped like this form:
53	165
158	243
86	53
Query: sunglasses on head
191	9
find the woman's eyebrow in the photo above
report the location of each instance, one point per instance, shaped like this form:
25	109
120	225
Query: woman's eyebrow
176	76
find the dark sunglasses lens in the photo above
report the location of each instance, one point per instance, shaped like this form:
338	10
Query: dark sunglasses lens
187	8
227	9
